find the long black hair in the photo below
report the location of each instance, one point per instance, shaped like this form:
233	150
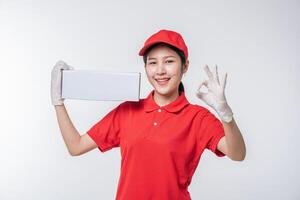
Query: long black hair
178	51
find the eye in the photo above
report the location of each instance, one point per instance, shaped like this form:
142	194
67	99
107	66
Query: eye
170	61
151	63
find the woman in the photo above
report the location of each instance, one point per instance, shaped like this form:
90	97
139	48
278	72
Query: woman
162	136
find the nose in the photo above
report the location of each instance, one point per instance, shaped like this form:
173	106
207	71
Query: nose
160	68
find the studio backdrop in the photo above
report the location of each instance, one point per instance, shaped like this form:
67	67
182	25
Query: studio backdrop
256	42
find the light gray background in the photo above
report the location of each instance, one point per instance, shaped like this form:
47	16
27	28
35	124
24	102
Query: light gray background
256	42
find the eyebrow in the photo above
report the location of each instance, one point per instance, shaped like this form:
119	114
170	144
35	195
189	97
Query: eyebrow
163	57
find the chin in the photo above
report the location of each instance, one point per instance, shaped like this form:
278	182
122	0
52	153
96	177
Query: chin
164	91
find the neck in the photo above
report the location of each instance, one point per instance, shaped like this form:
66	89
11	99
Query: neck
163	100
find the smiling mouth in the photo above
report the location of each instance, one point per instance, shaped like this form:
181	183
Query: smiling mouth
162	81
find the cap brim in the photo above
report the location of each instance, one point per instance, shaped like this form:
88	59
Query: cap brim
143	50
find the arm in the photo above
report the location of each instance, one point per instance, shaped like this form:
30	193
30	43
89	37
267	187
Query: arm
75	143
232	144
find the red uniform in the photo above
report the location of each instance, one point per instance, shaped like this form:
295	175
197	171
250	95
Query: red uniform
160	145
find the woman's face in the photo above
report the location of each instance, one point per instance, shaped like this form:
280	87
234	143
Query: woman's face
164	70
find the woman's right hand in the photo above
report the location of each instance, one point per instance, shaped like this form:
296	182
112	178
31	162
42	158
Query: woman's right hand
56	82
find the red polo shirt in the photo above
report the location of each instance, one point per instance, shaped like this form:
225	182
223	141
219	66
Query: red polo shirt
160	146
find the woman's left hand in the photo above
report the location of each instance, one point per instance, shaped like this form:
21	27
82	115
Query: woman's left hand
215	96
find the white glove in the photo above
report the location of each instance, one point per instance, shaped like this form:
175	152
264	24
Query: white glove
215	96
56	82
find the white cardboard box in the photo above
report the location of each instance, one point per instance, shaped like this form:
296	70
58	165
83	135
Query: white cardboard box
101	86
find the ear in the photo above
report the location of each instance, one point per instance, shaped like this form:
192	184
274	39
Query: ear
186	66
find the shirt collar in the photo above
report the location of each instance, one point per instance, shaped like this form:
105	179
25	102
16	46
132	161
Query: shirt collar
174	106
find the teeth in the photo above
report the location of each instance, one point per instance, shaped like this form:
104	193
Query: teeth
161	80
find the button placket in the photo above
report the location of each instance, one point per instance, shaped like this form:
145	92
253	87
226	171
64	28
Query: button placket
156	120
158	117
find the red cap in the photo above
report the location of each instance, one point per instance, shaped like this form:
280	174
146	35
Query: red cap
167	36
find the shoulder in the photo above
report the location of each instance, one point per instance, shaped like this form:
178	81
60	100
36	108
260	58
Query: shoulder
200	110
131	105
202	113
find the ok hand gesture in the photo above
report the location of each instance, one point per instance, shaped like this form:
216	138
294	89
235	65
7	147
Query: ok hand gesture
215	96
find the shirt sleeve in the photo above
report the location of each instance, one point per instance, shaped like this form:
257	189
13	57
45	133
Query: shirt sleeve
106	132
211	131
